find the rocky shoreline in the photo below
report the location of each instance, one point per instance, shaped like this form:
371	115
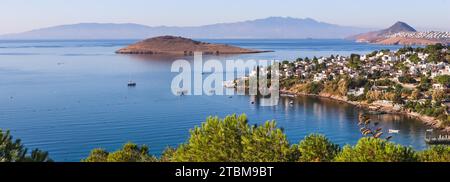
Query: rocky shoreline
427	120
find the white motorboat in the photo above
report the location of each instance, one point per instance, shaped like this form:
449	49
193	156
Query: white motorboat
394	131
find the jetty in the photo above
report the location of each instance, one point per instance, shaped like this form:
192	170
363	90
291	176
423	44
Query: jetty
437	137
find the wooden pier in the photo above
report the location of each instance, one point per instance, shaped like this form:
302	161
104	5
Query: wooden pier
437	137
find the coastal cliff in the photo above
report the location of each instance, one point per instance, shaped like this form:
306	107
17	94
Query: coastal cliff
374	107
171	45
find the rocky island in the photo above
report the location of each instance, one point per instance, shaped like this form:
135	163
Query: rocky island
171	45
402	34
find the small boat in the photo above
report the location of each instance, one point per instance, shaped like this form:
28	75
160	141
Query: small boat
182	92
288	95
291	103
229	84
394	131
131	84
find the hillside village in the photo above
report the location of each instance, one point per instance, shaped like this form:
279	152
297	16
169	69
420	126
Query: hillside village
411	80
436	35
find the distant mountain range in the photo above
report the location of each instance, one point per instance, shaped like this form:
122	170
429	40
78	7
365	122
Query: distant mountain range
268	28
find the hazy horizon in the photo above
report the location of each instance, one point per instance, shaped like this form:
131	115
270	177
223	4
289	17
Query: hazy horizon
36	14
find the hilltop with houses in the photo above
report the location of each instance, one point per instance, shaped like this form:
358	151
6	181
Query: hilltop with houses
413	81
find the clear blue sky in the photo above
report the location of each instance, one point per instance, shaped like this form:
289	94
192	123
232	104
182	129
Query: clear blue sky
22	15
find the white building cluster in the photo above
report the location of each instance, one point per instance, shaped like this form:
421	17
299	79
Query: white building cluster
437	35
383	63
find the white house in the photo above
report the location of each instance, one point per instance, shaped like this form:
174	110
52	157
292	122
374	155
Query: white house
356	92
319	77
438	86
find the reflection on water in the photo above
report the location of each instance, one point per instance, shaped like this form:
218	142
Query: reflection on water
336	118
72	97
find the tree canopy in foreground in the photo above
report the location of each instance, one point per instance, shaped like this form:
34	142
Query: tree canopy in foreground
13	151
233	139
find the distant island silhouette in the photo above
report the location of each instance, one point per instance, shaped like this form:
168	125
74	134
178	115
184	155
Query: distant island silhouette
266	28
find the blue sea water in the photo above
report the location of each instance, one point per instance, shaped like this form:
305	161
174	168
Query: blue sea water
68	97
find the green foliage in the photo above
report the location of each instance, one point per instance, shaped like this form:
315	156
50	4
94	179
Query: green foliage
215	140
428	108
266	143
314	88
97	155
14	151
167	155
407	79
307	60
375	75
372	54
317	148
434	48
356	98
443	79
354	61
38	156
358	82
336	87
129	153
10	151
415	58
438	153
289	82
425	83
445	122
435	53
376	150
404	50
233	140
385	51
384	82
439	95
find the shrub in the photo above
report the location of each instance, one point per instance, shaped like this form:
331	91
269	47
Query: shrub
435	154
317	148
407	79
314	88
376	150
233	140
14	151
129	153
